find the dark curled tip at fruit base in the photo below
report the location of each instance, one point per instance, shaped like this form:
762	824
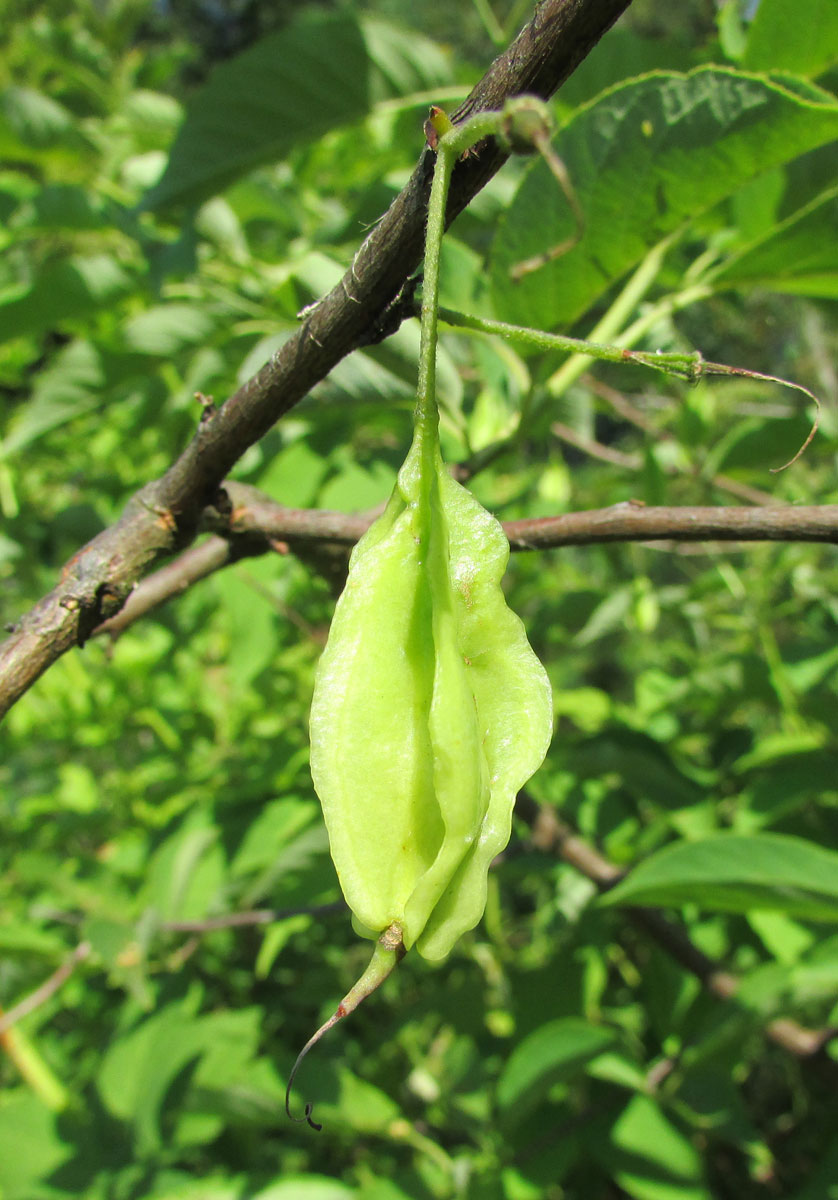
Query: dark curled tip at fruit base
388	953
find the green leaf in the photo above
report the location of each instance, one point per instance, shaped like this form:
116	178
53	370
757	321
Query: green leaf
644	766
798	255
29	939
186	872
650	1157
306	1187
362	1106
154	115
624	54
322	71
31	119
554	1052
144	1070
63	206
30	1146
644	158
354	488
221	1187
276	826
165	329
275	939
731	873
800	37
609	614
773	749
294	475
786	783
67	291
252	643
70	386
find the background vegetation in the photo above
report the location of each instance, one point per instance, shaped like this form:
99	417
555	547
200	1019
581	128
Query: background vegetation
165	215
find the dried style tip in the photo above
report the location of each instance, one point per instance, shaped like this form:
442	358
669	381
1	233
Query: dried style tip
712	368
388	953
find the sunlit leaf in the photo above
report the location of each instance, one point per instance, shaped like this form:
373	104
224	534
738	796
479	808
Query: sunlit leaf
731	873
644	158
555	1051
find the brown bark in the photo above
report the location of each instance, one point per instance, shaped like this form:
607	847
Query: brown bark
251	524
164	516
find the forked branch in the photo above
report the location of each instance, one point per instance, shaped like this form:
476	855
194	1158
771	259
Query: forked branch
260	526
164	516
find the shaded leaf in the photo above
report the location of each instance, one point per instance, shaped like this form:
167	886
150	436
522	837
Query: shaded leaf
63	292
799	255
321	71
651	1158
174	1050
70	386
32	118
556	1051
645	157
731	873
167	328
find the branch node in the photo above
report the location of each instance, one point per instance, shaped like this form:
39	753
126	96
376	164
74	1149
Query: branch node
208	408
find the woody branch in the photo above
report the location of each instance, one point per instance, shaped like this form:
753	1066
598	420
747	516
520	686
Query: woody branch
251	524
164	516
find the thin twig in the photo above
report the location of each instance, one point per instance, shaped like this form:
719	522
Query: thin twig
550	833
595	449
635	416
632	521
164	517
260	524
237	920
48	988
188	568
255	916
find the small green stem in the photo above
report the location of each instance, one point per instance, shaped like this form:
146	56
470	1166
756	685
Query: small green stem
449	148
427	416
388	953
685	366
690	367
610	327
35	1070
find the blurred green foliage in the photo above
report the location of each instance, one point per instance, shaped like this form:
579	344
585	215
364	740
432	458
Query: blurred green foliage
164	217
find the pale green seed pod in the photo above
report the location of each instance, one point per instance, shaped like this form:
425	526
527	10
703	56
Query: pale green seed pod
430	711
